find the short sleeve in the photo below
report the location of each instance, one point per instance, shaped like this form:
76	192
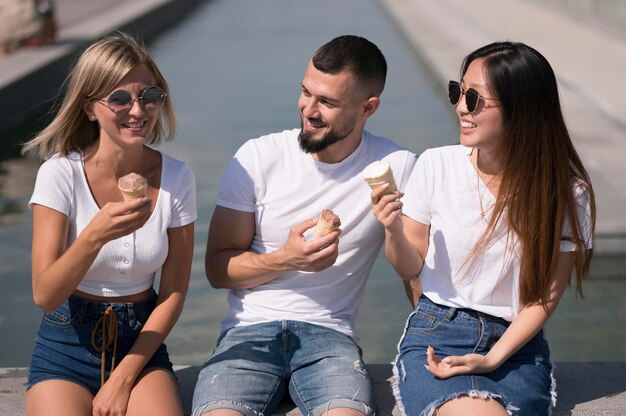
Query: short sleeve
184	203
583	212
53	186
416	200
237	188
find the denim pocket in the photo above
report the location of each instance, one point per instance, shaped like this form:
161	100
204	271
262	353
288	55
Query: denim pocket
421	321
61	317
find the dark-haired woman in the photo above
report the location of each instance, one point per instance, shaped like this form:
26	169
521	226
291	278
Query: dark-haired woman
491	229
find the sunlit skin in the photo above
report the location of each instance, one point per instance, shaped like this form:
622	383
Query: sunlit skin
483	129
333	104
133	127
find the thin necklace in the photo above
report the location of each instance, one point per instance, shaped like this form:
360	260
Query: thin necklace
483	212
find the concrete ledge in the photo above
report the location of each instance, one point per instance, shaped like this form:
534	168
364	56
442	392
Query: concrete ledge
584	389
31	78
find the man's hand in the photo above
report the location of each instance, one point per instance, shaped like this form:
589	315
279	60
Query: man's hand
310	255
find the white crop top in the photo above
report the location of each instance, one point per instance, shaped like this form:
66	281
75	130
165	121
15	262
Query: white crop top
127	265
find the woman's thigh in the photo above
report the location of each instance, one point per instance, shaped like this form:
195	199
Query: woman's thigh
155	392
58	397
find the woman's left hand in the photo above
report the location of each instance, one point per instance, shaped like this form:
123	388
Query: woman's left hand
454	366
111	400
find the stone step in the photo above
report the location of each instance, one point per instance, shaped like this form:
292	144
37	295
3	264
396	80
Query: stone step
584	389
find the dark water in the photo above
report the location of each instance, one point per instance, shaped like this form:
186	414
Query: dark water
234	69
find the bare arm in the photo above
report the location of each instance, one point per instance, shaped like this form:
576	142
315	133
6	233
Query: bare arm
230	264
406	240
57	269
527	324
175	275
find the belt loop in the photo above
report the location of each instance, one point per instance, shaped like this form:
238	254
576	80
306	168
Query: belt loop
450	314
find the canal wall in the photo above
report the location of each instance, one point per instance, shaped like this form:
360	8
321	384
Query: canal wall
31	77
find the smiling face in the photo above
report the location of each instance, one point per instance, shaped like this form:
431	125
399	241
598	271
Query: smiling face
484	128
126	128
331	110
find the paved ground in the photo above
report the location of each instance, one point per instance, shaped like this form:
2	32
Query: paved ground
588	56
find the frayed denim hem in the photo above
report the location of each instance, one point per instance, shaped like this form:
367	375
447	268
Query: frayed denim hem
398	370
225	404
359	406
552	389
430	410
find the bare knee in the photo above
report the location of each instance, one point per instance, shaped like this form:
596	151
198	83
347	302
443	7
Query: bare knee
472	406
342	412
222	412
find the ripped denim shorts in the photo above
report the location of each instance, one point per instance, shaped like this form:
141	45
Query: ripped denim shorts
254	366
524	384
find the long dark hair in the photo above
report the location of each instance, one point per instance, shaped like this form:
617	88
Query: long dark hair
542	171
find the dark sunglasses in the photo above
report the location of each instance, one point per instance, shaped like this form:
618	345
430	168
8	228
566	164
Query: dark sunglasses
472	97
121	101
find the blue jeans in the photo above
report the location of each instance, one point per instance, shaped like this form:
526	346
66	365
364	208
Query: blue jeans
63	348
523	384
253	366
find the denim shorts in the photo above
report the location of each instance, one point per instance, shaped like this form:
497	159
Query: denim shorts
253	366
63	349
524	384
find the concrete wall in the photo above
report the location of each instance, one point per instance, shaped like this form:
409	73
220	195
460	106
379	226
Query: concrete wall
583	389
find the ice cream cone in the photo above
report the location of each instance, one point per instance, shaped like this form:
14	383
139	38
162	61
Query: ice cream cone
326	224
378	173
133	186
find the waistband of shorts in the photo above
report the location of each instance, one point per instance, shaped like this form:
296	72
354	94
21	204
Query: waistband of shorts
425	304
94	309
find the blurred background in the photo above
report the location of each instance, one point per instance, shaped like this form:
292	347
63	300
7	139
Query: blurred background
234	69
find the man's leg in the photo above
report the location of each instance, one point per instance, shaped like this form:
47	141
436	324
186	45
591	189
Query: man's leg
328	373
246	373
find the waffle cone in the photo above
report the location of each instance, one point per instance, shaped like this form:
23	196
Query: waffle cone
326	223
378	173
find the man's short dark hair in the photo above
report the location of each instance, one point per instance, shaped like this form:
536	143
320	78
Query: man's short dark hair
356	54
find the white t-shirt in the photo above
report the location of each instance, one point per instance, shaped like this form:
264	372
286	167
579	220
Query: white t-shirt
127	265
443	192
272	177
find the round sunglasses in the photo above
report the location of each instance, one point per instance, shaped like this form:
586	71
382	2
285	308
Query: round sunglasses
472	97
121	101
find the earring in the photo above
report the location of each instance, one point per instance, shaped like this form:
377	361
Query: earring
92	118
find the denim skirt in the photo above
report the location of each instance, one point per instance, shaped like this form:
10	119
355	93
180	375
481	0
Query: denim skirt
524	384
64	349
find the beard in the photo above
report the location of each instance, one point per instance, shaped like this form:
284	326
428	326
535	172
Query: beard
310	145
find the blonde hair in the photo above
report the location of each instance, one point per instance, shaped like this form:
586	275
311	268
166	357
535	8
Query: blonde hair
100	68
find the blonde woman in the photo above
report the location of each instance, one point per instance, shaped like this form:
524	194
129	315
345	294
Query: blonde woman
491	229
99	349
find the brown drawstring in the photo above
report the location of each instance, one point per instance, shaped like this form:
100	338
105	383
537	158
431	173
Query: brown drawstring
107	325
